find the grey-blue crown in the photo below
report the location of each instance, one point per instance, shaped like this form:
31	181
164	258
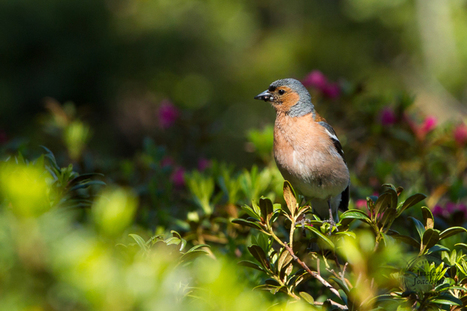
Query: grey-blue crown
304	105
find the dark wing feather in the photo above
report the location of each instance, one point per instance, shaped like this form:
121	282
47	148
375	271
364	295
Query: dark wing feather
335	140
345	196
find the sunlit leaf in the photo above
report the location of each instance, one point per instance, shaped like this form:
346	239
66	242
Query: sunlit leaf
322	237
244	222
428	218
284	259
307	297
249	211
290	197
140	241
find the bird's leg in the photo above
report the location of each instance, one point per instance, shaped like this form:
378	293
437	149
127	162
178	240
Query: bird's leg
302	220
331	218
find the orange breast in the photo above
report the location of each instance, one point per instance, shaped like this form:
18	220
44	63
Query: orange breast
306	156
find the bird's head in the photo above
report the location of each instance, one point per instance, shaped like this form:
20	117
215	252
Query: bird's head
288	96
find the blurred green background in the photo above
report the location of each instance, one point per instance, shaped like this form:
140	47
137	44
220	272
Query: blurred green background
117	61
147	110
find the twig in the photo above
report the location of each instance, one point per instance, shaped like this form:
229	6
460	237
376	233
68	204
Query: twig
316	276
332	302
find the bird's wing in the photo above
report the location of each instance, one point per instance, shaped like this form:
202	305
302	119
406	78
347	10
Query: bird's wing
332	134
345	196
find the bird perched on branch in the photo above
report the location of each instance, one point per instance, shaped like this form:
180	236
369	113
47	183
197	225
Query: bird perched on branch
307	150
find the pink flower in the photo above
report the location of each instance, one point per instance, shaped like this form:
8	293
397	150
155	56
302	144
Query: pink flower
315	79
178	177
360	204
331	90
438	211
463	208
460	134
387	116
420	131
203	164
428	125
449	209
167	114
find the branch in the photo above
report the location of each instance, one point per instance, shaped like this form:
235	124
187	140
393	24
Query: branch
318	277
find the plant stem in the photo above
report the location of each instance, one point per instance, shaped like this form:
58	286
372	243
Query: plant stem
312	273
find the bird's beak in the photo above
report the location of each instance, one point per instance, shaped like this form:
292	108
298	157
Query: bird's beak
266	96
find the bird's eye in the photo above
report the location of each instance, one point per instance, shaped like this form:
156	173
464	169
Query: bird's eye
281	92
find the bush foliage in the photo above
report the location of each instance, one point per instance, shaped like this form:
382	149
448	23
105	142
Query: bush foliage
148	233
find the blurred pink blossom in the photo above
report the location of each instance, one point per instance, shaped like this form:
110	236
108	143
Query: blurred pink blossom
387	116
178	177
319	81
460	134
331	90
315	79
420	131
167	114
203	164
361	203
429	124
449	209
439	211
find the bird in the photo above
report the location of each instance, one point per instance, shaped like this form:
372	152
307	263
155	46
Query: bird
307	151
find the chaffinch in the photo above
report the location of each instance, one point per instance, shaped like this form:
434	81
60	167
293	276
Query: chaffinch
307	150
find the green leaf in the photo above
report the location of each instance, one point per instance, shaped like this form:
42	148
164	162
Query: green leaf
419	226
265	205
178	236
140	241
437	248
388	216
250	264
250	211
457	244
341	284
307	297
409	202
356	214
430	238
404	238
451	231
383	203
448	300
324	238
88	184
259	255
290	198
187	257
247	223
273	289
284	259
347	233
196	247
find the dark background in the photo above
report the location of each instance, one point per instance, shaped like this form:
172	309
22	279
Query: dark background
118	60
